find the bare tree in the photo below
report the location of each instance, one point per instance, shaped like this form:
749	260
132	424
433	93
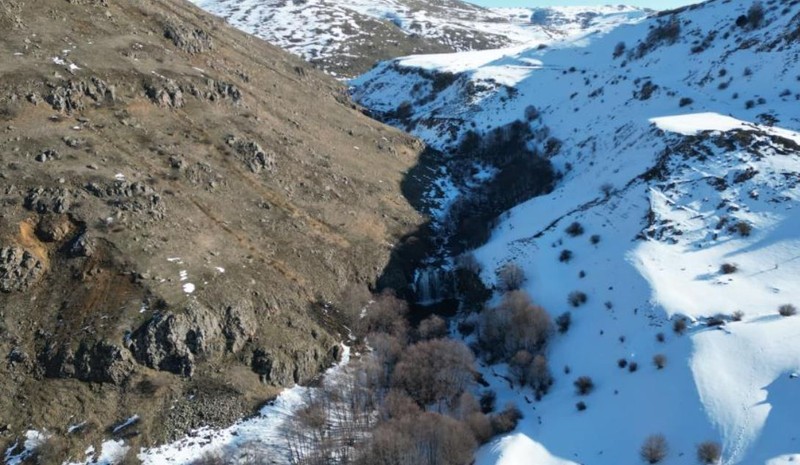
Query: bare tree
387	314
433	327
435	371
709	452
510	277
654	448
516	324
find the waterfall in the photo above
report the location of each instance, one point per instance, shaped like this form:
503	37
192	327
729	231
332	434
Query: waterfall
434	284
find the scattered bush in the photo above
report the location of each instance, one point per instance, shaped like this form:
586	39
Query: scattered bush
581	406
606	189
518	366
660	361
584	385
728	268
575	229
660	337
737	315
743	228
679	325
433	327
633	366
595	239
787	310
577	298
510	277
539	377
563	322
622	363
685	101
565	256
487	401
505	421
709	452
654	448
531	113
755	15
619	49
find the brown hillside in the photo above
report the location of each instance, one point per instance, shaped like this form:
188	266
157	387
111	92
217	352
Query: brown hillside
146	147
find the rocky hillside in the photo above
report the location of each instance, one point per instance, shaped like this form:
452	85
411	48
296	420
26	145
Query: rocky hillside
178	201
667	251
348	38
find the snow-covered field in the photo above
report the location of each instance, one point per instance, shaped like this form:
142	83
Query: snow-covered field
681	160
332	32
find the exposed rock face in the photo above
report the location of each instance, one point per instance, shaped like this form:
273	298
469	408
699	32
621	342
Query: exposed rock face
252	155
98	362
49	199
165	94
68	97
171	342
54	228
190	40
19	269
280	370
133	197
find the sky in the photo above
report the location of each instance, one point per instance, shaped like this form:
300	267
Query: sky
654	4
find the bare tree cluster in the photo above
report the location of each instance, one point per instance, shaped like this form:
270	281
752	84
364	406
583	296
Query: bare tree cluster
407	401
517	324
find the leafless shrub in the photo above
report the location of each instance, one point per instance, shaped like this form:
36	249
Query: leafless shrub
510	277
728	268
516	324
679	325
709	452
577	298
787	310
506	421
654	448
435	371
575	229
584	385
433	327
386	315
563	322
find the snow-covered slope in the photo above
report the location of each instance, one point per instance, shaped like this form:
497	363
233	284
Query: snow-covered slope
347	38
680	155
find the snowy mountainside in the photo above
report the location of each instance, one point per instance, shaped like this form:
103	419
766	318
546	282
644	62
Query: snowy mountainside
348	38
678	141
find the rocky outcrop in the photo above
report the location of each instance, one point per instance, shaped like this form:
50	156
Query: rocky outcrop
49	199
281	369
54	228
190	40
67	97
252	155
98	362
172	342
132	197
19	269
166	94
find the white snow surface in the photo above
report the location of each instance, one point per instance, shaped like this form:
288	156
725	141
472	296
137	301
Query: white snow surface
318	29
682	176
